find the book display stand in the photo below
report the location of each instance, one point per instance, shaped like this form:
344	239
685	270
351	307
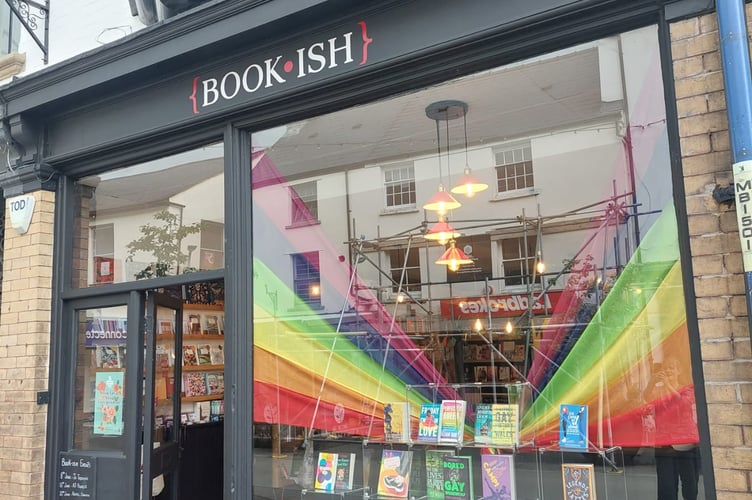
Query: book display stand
483	456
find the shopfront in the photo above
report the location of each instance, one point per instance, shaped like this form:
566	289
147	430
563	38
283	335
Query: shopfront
414	249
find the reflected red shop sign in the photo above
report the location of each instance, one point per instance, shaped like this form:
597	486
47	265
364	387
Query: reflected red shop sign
498	305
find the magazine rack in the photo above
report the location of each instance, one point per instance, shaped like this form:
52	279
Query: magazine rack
599	469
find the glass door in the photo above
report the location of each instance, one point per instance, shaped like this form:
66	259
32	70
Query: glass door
162	402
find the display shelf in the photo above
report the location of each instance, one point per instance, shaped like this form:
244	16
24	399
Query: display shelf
208	397
166	337
203	368
203	307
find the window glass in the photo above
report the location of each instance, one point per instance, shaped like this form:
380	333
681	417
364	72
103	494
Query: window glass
148	220
555	288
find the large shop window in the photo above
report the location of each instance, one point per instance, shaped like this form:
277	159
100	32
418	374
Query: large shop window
547	339
161	218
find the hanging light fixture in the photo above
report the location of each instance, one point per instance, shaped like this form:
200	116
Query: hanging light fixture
442	201
469	184
442	232
509	328
453	258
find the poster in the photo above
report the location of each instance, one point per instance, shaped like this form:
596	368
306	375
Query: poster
108	404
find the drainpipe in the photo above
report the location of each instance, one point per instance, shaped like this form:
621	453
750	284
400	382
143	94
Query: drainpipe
732	28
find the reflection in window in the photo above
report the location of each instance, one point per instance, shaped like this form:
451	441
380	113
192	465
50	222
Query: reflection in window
148	220
411	280
514	169
518	259
399	183
306	278
304	203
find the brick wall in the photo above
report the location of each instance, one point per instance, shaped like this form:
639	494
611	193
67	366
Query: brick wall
716	251
24	351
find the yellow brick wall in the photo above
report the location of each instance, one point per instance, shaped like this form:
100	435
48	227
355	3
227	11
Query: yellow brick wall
24	351
716	251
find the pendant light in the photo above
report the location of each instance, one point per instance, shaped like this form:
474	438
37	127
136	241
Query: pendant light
442	232
469	184
442	201
453	258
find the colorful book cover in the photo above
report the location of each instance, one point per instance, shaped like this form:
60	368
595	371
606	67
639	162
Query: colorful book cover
108	404
325	471
108	356
345	472
394	473
194	384
162	357
578	481
428	424
215	383
452	421
190	358
435	473
397	421
573	426
483	423
505	426
204	354
458	477
194	324
211	324
497	472
165	327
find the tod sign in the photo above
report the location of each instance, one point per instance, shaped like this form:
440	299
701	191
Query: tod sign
21	209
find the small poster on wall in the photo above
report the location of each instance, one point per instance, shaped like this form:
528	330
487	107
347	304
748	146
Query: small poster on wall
108	404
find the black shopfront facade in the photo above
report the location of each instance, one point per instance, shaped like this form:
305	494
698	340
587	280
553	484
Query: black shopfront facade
211	79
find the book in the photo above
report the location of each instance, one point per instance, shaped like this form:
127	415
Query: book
221	324
217	354
481	373
215	383
519	352
165	327
573	426
194	324
505	424
211	324
394	473
507	348
428	424
578	482
458	477
162	358
190	357
397	421
345	472
483	423
435	473
452	421
160	388
204	354
497	472
325	470
194	384
108	356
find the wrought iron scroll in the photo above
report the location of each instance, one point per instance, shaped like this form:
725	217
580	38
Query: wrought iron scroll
35	17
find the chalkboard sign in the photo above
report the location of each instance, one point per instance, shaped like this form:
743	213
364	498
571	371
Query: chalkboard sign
76	476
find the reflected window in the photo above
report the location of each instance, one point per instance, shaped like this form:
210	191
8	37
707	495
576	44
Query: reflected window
518	260
514	169
411	266
304	203
399	183
307	278
148	220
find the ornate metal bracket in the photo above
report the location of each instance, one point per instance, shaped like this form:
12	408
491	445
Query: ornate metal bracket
32	14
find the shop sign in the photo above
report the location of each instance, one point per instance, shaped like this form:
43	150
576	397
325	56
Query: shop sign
106	332
743	193
322	56
497	305
21	210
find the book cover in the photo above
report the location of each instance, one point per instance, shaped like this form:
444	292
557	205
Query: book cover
162	357
194	324
394	473
428	424
165	327
435	473
190	357
325	470
215	383
481	373
578	481
345	472
497	472
519	352
108	356
458	477
573	426
483	423
507	348
505	424
204	354
217	354
397	421
194	384
211	324
452	421
160	388
108	403
221	324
